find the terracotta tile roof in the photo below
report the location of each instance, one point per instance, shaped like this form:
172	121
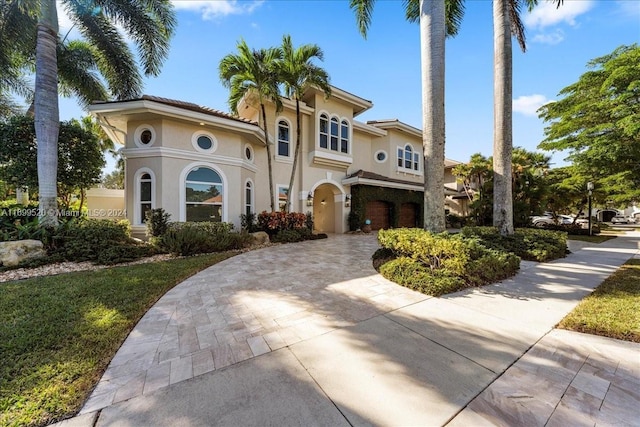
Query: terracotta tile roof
187	106
377	177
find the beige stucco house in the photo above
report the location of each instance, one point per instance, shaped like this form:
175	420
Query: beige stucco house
202	164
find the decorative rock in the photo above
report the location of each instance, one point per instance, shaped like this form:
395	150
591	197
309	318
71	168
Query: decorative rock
260	238
15	252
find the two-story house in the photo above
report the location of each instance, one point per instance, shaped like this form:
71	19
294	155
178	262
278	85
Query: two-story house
201	164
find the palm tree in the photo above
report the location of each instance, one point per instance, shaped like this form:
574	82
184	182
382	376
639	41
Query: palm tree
437	18
506	23
148	23
254	73
298	74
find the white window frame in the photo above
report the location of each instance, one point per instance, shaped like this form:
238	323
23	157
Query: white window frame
198	134
416	168
183	188
279	156
325	116
277	196
250	203
251	150
137	203
138	133
375	156
341	122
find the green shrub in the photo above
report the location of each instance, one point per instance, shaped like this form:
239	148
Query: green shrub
85	239
308	221
409	272
532	244
157	221
288	236
353	219
440	263
573	229
120	253
190	238
248	222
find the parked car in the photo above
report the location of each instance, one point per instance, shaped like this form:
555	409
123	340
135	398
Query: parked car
619	219
548	218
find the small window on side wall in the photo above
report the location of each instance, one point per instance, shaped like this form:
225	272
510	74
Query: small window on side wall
204	142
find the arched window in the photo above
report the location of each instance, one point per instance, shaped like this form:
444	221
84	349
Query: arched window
408	160
344	137
248	198
334	134
283	138
324	131
204	195
145	196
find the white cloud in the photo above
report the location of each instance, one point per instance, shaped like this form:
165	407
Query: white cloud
215	8
547	14
549	38
529	104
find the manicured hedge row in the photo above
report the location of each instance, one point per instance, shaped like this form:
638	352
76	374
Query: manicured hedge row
437	264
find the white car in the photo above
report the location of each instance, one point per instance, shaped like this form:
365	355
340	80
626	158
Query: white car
548	219
619	219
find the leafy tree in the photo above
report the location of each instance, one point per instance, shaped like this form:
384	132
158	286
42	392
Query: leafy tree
437	18
114	180
298	73
80	159
254	73
148	24
598	122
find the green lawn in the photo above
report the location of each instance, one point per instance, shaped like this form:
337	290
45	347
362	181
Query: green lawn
593	239
613	309
59	333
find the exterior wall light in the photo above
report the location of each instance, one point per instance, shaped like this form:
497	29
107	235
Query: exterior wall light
310	199
347	200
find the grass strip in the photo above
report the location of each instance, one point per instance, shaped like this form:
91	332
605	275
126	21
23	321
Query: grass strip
59	333
592	239
613	309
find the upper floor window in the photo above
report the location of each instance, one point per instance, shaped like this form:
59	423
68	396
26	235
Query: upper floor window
344	137
408	159
204	141
144	136
334	134
324	131
284	140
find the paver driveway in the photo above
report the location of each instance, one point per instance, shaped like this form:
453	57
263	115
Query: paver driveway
248	305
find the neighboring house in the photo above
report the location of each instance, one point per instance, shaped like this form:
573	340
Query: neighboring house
201	164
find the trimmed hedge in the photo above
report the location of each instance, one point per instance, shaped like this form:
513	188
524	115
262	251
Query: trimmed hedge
531	244
437	264
191	238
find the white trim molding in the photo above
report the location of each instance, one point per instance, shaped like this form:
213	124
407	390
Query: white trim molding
136	193
194	141
165	152
138	134
183	190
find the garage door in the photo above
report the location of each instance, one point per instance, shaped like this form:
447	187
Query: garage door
378	212
408	215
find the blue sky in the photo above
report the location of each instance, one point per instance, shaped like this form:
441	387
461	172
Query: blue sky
385	68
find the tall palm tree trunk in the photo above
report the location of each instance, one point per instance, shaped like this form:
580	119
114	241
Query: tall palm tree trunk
47	117
432	38
269	164
296	154
502	122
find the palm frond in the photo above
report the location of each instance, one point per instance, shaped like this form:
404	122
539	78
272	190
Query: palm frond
517	27
363	10
78	72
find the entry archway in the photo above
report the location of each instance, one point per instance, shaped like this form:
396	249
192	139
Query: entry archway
328	206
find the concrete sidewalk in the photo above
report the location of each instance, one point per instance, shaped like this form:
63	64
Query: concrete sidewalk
362	351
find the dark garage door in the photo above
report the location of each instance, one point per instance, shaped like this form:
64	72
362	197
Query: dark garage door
378	212
408	215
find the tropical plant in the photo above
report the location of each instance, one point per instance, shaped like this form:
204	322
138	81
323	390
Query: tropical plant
298	73
254	73
597	121
148	25
437	18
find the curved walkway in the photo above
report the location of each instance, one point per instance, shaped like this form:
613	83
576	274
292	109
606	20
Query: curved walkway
341	345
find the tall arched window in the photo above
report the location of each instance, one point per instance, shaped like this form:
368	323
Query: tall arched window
344	136
204	195
324	131
248	198
145	198
334	134
283	138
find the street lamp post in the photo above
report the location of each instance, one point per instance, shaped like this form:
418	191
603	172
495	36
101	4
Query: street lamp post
590	192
